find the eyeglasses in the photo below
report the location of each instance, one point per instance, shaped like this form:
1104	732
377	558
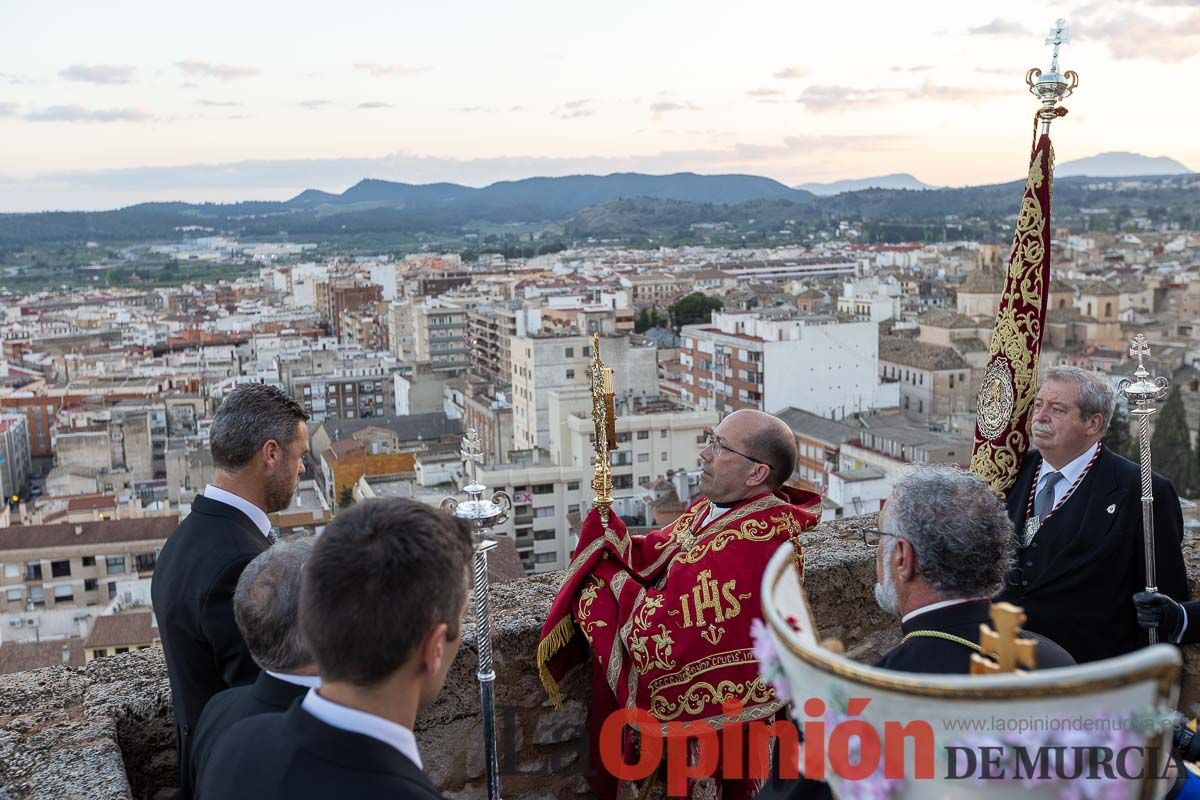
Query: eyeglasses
871	536
716	445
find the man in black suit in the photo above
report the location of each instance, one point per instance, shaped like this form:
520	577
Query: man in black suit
266	605
258	439
942	550
1077	511
381	605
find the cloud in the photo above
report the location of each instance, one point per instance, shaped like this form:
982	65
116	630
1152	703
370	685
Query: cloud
576	109
314	105
791	72
221	72
845	98
220	103
663	106
919	68
390	70
8	109
81	114
372	104
15	80
103	74
1000	27
1131	35
764	92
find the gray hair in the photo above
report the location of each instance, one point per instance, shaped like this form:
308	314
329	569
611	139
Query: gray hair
250	416
957	527
1096	395
266	602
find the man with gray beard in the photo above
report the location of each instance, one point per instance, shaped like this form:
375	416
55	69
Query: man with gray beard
943	548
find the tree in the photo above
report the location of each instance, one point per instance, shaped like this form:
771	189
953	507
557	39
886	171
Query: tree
648	318
1171	444
346	498
1118	437
693	309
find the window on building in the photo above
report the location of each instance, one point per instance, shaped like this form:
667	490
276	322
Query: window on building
543	511
143	562
951	380
664	456
572	486
112	589
60	569
643	458
37	596
587	352
620	458
88	561
114	564
662	434
570	352
624	437
920	406
12	570
570	374
90	584
622	481
64	594
543	536
543	488
906	405
13	595
99	652
120	650
573	508
33	570
545	558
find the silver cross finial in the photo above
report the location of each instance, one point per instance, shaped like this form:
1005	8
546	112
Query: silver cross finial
1058	36
1141	349
472	456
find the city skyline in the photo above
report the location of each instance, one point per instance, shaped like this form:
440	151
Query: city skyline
261	102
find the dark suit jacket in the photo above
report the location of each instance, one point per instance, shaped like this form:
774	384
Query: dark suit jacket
265	696
1077	580
922	654
295	756
192	592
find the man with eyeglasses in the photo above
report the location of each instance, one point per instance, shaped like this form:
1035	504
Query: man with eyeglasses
657	608
942	549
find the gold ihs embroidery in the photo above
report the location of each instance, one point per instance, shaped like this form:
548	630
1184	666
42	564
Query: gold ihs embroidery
705	596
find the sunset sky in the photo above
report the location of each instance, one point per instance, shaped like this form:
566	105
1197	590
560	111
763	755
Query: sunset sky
107	104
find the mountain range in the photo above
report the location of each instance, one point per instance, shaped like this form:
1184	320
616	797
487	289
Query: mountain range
589	205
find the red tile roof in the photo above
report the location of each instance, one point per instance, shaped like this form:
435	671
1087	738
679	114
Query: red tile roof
127	629
21	656
111	531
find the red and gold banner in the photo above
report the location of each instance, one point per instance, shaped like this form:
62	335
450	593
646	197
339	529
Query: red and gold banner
1010	380
666	616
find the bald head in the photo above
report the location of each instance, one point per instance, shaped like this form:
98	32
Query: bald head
756	452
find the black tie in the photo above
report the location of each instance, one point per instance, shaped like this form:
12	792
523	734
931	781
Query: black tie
1044	502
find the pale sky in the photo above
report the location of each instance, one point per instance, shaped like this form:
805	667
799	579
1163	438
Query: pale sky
108	104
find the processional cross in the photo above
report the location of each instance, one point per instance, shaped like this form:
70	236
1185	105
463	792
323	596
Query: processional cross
1058	36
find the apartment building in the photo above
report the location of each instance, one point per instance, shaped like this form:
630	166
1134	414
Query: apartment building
365	327
542	363
15	459
342	295
934	381
818	363
490	332
46	566
440	335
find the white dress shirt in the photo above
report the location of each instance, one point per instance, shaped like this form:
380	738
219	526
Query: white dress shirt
1070	473
355	721
935	607
714	511
256	514
307	681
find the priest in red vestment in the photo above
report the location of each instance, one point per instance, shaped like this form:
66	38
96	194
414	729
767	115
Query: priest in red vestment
666	616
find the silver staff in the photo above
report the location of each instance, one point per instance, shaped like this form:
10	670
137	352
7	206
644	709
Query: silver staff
1143	392
483	515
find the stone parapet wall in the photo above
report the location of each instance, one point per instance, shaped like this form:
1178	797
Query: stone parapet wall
106	730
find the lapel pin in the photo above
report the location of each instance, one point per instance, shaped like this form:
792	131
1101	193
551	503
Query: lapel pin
1112	509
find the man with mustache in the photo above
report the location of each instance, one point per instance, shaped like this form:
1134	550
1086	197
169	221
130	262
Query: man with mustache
1076	507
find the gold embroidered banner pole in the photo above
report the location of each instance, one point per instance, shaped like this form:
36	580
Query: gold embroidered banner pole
604	419
1009	383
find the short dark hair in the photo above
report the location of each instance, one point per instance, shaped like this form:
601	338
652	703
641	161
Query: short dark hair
266	602
248	417
384	572
776	446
